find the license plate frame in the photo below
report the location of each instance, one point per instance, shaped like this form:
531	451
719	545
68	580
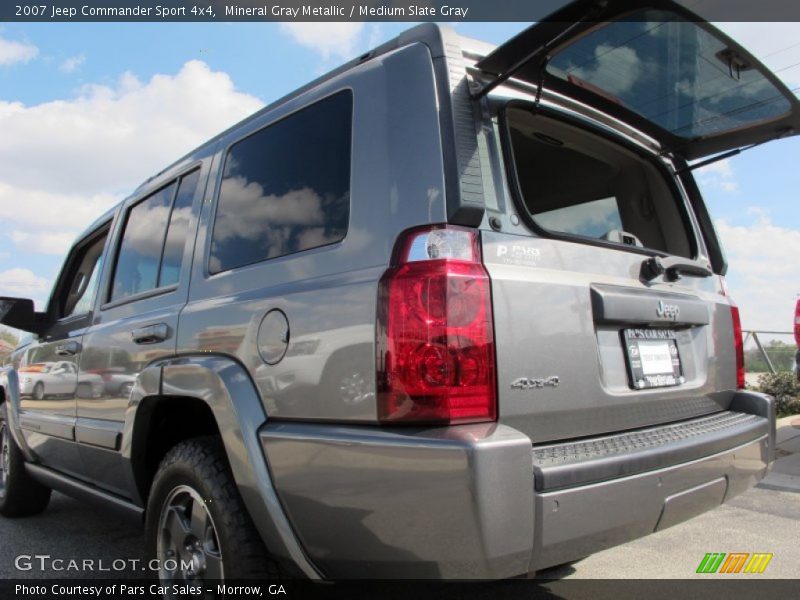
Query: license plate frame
652	358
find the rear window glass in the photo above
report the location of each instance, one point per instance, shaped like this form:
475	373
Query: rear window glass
671	72
577	183
286	188
593	219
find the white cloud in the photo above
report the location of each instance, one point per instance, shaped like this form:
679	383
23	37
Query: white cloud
328	39
16	52
775	44
44	242
37	210
718	175
22	283
621	63
72	63
63	163
764	274
109	139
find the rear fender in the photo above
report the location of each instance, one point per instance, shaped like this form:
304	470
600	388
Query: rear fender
226	387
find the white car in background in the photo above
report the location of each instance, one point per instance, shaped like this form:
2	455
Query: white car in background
60	378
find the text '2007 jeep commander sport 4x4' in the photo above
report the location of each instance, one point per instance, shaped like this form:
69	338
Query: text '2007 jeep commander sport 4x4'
448	311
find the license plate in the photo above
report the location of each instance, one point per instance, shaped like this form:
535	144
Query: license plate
653	359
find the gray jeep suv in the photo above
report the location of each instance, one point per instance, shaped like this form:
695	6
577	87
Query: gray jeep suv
449	311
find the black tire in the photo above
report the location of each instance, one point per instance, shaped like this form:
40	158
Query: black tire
20	495
38	391
231	548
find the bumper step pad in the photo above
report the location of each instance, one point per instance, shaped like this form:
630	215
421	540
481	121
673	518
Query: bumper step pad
581	462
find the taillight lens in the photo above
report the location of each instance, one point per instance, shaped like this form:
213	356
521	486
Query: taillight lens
797	322
436	360
739	346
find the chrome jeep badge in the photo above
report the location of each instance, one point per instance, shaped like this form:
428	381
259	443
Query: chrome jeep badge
526	383
668	311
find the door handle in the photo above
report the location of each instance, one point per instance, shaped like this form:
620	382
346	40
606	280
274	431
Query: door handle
68	348
152	334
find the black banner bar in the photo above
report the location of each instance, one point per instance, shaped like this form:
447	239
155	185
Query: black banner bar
354	10
518	589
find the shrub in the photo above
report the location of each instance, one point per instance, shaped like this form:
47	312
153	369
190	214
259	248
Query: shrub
786	390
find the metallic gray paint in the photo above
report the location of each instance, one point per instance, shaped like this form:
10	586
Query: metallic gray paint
451	502
574	523
329	294
613	304
350	499
115	326
9	382
228	390
542	300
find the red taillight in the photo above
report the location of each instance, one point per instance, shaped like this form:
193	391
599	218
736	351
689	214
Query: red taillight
739	346
797	322
435	343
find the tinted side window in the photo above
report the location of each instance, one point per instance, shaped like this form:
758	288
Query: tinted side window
286	188
178	229
77	298
142	241
153	240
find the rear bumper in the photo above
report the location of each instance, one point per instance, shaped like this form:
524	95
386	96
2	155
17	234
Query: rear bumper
462	502
579	521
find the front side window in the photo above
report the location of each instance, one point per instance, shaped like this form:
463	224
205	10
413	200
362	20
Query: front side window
78	296
153	240
286	188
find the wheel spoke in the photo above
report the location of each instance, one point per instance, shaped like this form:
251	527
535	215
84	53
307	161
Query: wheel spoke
175	524
3	454
213	566
198	520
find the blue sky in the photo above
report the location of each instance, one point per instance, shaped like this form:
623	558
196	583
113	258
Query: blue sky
88	110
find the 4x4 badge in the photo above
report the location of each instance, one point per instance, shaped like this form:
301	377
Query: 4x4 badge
526	383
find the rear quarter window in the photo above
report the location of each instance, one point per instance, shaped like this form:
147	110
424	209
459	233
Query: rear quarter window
285	188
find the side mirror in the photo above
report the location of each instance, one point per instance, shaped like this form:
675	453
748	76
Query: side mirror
19	314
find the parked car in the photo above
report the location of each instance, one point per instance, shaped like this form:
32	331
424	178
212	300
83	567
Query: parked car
515	236
58	379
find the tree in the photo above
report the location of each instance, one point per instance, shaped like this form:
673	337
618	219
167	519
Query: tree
780	353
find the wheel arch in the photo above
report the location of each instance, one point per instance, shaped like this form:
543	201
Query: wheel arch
9	395
227	391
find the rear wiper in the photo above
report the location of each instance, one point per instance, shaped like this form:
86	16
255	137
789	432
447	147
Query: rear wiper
672	268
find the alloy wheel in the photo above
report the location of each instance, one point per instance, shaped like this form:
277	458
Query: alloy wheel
4	457
188	547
